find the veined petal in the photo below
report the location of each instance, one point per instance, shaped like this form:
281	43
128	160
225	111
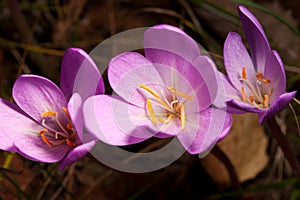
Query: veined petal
279	104
239	107
79	74
208	72
214	124
15	125
76	114
76	154
273	72
35	149
186	77
235	58
109	119
226	91
258	42
171	39
127	71
36	95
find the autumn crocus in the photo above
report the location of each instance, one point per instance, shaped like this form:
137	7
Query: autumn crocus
256	82
46	122
167	93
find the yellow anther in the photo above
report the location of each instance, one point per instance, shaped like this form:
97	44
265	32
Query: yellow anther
66	112
180	93
48	113
161	120
182	117
266	100
151	112
150	91
244	97
244	75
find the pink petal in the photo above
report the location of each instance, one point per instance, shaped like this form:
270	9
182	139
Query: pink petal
15	125
170	39
273	72
257	40
109	119
35	149
79	74
213	125
235	58
128	70
279	104
36	95
76	154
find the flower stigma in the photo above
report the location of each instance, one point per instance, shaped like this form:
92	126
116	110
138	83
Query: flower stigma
55	132
260	92
166	105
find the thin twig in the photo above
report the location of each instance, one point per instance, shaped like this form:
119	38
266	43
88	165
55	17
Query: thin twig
296	119
191	13
285	146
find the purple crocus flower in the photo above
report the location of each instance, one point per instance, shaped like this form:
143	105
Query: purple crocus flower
46	123
256	82
167	93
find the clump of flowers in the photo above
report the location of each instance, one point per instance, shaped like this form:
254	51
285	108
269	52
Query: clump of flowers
256	82
45	124
169	92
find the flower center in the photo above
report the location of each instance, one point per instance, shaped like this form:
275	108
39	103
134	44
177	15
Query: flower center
260	91
55	132
166	105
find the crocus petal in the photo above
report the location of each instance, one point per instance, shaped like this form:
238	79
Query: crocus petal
171	39
85	141
76	154
36	95
109	120
235	58
279	104
35	149
208	71
188	78
79	74
258	42
76	114
238	107
226	91
15	125
214	124
274	73
127	71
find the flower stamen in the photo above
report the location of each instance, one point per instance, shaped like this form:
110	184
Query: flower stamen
55	133
182	117
150	91
170	103
260	91
180	93
48	113
244	75
44	138
151	112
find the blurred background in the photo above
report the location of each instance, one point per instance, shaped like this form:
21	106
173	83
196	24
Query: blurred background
248	164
